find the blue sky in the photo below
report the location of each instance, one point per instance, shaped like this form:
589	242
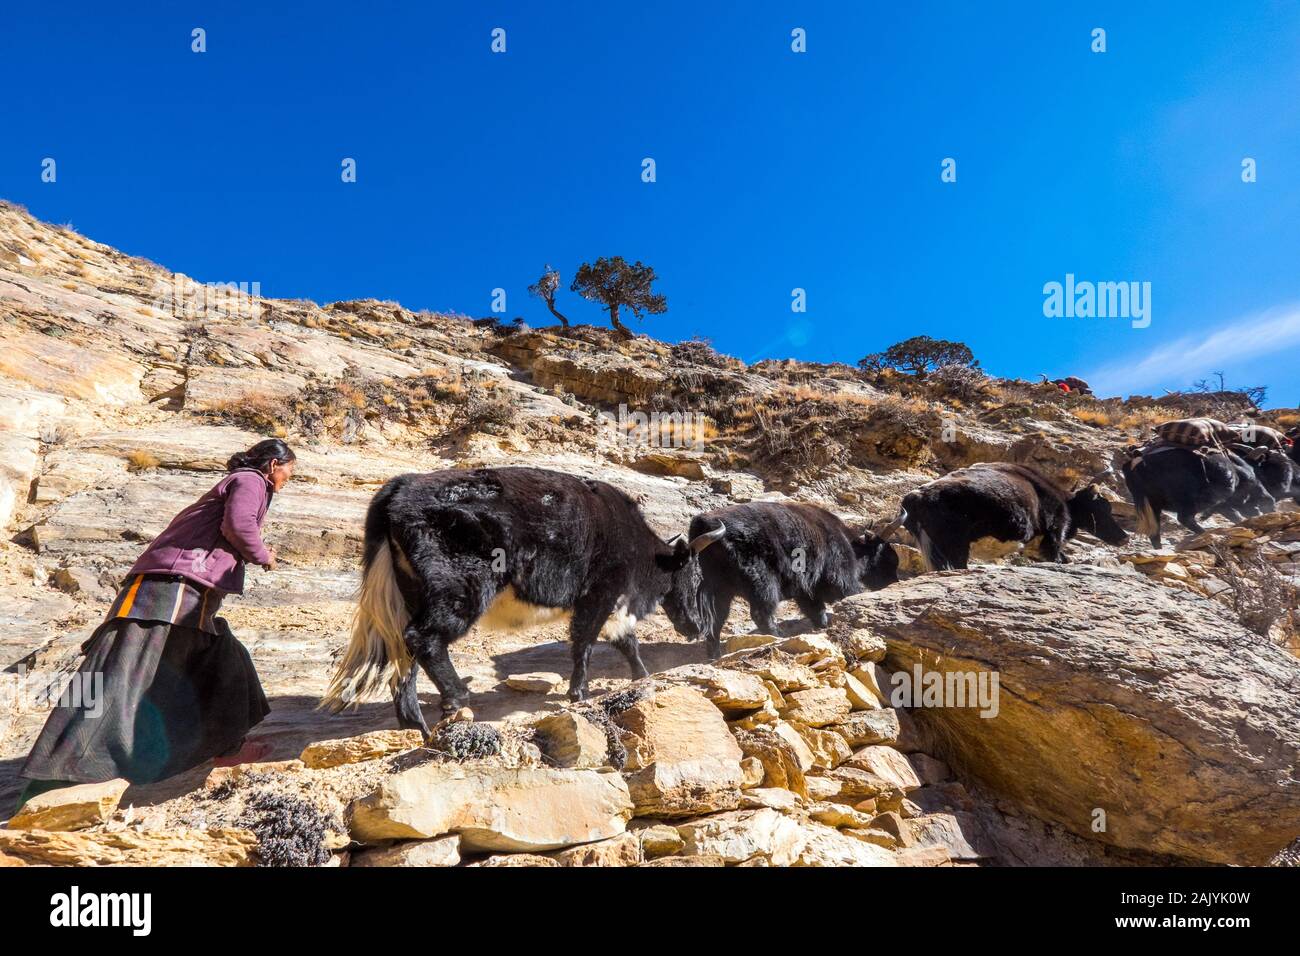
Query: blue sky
775	170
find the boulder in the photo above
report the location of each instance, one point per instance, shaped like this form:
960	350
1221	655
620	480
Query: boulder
928	769
443	851
1118	695
70	808
571	740
495	808
826	846
216	847
659	839
741	835
729	690
828	748
959	834
622	850
890	768
869	727
540	682
682	759
370	746
817	707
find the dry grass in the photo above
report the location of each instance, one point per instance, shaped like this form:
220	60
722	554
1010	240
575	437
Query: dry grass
428	403
141	461
1260	595
1097	417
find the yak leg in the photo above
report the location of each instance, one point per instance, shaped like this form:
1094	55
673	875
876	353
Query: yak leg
627	646
1187	518
407	702
950	553
1053	545
763	600
588	618
815	611
427	639
721	610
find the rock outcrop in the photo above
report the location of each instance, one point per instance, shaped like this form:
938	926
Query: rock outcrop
1126	712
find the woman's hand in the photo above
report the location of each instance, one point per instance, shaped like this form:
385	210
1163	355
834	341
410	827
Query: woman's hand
270	565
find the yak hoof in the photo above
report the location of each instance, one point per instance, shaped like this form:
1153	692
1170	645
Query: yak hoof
455	711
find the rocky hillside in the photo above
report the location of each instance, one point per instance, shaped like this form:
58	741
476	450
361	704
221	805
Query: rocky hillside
124	387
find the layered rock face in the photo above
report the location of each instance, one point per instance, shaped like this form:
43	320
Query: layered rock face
1129	713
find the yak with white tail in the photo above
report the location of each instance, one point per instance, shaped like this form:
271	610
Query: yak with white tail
505	548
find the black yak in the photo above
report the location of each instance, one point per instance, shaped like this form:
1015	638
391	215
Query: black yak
506	548
1274	469
1190	483
768	552
1005	501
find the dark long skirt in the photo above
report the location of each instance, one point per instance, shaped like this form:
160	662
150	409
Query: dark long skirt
166	699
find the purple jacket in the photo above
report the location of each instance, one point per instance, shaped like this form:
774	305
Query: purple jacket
210	540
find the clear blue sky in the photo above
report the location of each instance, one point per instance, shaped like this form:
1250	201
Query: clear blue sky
775	170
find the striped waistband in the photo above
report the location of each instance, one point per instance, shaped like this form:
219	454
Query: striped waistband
168	599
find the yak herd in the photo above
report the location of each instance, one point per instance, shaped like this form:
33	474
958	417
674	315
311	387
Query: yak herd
508	548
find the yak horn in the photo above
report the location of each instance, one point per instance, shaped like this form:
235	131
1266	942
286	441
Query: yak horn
702	541
894	525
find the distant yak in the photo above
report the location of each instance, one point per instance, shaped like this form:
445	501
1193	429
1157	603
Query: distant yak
1005	501
1189	483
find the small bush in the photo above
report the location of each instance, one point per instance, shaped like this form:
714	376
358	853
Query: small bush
466	740
141	461
963	382
290	831
1260	594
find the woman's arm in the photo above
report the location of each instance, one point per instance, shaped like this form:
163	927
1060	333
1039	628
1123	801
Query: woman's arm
244	497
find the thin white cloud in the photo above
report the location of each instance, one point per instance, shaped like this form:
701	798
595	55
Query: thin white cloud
1196	356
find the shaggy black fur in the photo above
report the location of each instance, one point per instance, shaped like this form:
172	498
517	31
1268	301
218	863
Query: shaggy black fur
1190	484
1274	469
558	540
773	552
1005	501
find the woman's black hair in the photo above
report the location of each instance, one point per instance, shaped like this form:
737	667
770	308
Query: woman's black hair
260	455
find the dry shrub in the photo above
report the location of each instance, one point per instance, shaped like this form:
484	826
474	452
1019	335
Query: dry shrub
344	406
1259	594
141	461
486	408
1098	417
959	382
798	429
698	351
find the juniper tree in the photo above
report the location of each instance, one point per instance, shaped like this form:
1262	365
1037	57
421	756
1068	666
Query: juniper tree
615	283
545	289
920	354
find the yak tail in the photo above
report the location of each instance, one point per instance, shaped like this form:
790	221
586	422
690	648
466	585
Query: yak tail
930	556
1147	522
377	653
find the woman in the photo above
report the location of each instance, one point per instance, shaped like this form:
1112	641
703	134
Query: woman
165	686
